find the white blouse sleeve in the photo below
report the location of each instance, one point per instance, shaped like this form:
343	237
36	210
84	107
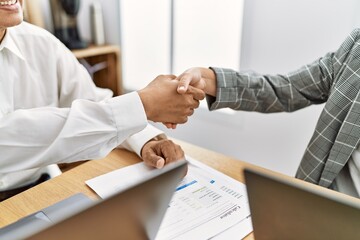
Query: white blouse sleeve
87	130
76	83
136	141
83	121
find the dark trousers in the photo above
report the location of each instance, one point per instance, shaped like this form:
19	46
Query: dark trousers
12	192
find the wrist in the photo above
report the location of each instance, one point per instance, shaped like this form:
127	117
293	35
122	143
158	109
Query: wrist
154	139
209	77
145	102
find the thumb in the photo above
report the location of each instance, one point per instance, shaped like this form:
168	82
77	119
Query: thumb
160	163
153	160
184	84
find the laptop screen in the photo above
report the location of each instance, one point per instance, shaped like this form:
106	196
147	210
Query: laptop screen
286	208
134	213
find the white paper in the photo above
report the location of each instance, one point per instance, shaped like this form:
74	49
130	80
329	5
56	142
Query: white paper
206	204
238	231
107	184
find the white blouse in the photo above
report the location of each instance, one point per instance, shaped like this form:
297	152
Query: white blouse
51	111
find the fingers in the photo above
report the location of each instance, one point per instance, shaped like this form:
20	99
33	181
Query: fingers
160	163
196	104
188	111
152	159
165	77
170	125
191	103
171	151
198	94
184	81
191	77
162	102
157	153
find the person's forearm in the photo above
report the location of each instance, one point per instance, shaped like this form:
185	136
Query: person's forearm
87	130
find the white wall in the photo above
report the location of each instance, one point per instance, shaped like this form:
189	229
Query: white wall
280	35
145	41
207	38
163	43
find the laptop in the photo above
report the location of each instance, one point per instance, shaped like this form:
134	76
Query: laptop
283	207
134	213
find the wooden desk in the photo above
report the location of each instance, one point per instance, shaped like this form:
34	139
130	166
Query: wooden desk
73	181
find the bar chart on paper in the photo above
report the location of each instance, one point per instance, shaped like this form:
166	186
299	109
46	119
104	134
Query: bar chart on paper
206	204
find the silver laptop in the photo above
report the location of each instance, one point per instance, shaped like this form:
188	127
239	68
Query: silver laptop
286	208
135	213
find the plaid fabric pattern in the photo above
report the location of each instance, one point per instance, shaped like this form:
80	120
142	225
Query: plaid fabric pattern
333	79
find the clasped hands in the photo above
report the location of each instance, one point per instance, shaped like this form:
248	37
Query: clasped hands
162	102
170	100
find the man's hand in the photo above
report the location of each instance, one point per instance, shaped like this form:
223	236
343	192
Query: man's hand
162	103
157	153
195	78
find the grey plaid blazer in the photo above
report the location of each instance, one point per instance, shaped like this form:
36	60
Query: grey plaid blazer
333	79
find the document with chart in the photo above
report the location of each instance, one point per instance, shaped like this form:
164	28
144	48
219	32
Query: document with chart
205	204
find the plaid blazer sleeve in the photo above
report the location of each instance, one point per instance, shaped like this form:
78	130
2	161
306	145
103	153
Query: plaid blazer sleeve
250	91
333	79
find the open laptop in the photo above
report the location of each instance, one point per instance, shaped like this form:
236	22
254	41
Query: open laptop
286	208
135	213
